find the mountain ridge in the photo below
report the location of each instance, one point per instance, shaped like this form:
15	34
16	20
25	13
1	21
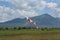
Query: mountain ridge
44	20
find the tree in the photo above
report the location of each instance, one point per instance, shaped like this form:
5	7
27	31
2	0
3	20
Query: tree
42	29
46	28
24	28
14	28
19	28
6	28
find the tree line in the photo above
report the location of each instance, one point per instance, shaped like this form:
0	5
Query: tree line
19	28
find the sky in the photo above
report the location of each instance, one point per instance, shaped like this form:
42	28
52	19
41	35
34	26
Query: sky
11	9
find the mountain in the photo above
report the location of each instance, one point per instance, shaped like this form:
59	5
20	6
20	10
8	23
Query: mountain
44	20
13	23
47	20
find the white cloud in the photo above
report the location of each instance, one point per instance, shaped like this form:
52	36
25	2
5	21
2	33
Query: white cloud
4	13
52	5
39	4
27	13
26	7
55	8
7	13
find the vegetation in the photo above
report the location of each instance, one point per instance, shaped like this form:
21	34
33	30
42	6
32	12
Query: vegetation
28	33
28	30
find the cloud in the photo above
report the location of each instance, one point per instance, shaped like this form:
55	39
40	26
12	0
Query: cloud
52	5
4	13
7	13
27	7
31	4
55	8
27	13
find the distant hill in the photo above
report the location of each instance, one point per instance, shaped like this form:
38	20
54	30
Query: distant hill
44	20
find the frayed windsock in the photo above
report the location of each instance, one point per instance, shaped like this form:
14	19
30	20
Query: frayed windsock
31	21
28	19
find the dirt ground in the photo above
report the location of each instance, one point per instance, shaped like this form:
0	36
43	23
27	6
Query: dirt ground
47	36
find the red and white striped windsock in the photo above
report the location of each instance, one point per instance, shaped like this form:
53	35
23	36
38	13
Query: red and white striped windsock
31	21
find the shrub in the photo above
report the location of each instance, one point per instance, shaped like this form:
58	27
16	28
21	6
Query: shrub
19	28
6	28
24	28
14	28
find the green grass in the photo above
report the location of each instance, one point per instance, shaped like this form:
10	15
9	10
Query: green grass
30	34
27	31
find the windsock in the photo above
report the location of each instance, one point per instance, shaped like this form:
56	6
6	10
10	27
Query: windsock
31	21
28	19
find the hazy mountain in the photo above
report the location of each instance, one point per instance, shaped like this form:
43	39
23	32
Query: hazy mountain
47	20
44	20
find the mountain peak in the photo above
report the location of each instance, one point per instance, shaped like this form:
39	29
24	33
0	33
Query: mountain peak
46	15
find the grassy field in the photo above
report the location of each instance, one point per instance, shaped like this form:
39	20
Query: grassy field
30	34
